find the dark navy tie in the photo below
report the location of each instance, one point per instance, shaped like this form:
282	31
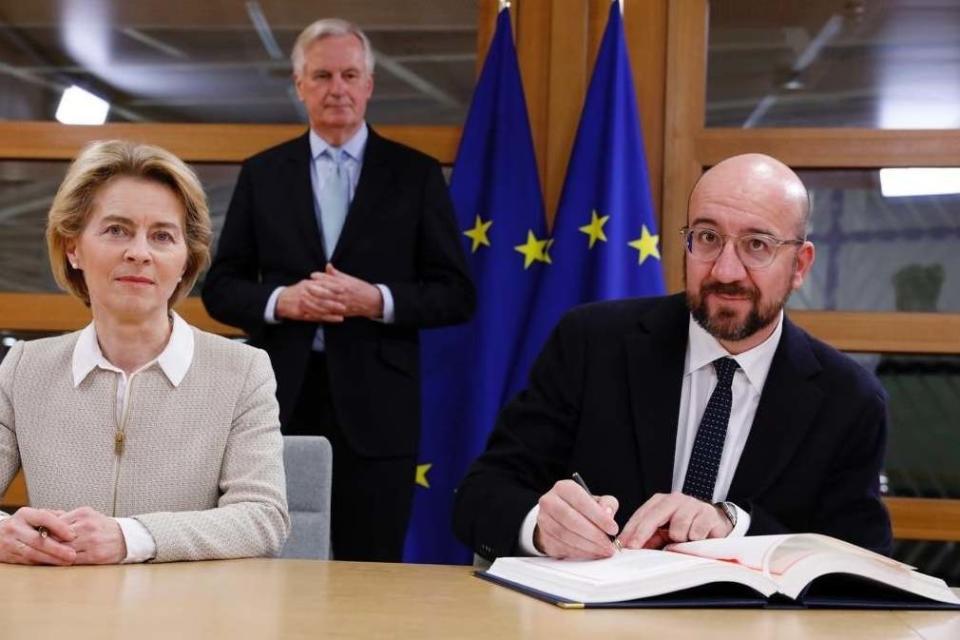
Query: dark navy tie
708	445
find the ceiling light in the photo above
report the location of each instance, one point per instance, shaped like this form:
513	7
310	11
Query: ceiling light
919	181
793	84
79	106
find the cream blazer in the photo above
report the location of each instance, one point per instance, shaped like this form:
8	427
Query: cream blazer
202	463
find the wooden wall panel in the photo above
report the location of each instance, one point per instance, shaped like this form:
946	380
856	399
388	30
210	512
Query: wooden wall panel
532	21
567	87
884	332
16	494
596	23
195	142
645	24
58	312
487	12
834	148
684	119
925	518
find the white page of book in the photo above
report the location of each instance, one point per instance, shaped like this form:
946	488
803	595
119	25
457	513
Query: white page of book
627	565
749	551
777	552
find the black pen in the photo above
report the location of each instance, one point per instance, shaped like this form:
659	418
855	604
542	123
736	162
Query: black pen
583	485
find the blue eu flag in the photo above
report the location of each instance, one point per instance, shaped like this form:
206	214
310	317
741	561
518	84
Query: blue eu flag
496	193
605	242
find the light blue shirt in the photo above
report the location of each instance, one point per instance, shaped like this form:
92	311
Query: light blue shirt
321	166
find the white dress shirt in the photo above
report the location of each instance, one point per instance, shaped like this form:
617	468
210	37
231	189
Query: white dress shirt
321	167
174	361
699	379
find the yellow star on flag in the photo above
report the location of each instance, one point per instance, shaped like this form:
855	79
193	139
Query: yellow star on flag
646	244
546	252
479	234
595	228
533	250
421	478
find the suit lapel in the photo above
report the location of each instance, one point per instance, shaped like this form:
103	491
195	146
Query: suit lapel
299	190
655	357
375	175
788	404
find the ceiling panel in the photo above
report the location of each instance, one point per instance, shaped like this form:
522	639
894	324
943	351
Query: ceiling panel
219	61
824	63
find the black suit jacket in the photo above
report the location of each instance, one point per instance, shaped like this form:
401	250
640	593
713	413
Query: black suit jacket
604	397
400	231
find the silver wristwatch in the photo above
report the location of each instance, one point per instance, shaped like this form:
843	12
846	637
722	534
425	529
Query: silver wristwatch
728	510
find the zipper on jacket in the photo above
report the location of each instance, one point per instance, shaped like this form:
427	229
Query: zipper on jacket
119	440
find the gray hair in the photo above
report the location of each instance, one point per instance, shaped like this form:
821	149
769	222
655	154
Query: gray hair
324	29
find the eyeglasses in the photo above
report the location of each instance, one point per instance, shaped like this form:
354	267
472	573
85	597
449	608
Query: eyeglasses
755	250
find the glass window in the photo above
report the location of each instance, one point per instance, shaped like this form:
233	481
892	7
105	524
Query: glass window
890	64
27	189
879	253
923	446
940	559
228	61
923	401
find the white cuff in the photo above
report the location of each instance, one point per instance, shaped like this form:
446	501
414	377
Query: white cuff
526	533
140	544
270	313
386	317
743	523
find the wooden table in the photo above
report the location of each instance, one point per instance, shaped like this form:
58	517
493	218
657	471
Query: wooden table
267	599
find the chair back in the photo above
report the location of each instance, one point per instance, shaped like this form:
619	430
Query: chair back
309	464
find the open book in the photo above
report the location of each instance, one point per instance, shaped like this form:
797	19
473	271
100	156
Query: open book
805	570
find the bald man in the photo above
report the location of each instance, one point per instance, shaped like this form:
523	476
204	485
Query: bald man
700	415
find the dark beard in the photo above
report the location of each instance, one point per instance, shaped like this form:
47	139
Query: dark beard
723	325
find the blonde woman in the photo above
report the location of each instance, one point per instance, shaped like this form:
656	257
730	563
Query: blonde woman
140	437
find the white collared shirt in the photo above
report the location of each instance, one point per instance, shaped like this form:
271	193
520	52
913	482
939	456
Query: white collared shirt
174	361
699	379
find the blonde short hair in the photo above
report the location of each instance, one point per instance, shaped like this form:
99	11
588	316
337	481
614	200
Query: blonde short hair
99	163
324	29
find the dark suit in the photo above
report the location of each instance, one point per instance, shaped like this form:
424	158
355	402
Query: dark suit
604	398
400	231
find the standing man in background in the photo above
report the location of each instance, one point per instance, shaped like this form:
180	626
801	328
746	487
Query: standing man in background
337	247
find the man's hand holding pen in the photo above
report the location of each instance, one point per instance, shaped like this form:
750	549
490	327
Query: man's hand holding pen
574	524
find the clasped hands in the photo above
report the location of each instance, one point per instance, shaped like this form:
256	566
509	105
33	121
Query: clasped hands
329	296
573	524
48	536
